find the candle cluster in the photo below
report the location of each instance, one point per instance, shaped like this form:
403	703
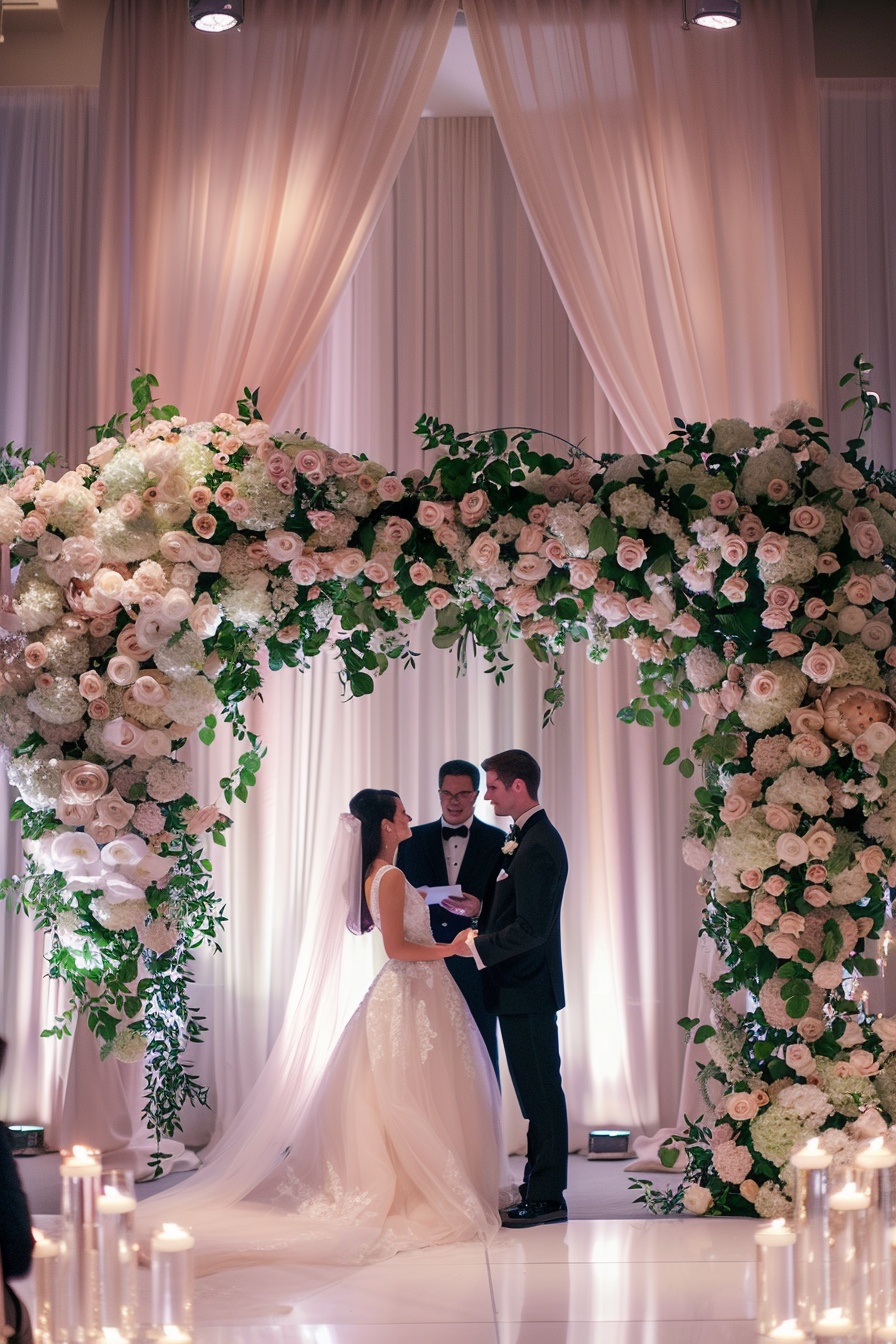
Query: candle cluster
85	1284
830	1277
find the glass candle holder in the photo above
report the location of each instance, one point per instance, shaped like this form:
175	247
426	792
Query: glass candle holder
849	1202
878	1163
811	1250
115	1208
171	1250
80	1170
45	1265
774	1276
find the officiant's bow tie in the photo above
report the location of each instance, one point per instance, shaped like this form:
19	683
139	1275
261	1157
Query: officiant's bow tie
448	832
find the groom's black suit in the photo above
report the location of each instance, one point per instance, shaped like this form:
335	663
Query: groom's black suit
519	945
422	860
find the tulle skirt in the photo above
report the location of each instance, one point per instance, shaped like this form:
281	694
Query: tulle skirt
400	1147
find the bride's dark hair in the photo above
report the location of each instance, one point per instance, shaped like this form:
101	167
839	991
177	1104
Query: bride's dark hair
372	807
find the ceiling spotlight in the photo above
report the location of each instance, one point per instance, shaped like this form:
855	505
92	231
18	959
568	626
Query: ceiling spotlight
216	16
717	13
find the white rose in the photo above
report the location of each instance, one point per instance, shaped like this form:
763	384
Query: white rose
697	1199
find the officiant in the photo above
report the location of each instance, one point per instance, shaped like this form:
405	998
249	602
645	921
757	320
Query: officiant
457	850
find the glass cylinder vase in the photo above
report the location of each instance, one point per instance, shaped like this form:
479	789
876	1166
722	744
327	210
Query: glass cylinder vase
811	1250
172	1281
80	1170
117	1254
774	1276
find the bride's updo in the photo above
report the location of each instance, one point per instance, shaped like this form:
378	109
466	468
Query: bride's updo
372	807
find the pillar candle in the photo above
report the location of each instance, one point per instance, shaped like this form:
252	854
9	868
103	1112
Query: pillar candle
811	1251
774	1276
117	1254
80	1170
45	1267
172	1279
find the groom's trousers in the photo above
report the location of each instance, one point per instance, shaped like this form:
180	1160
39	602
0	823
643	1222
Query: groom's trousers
533	1058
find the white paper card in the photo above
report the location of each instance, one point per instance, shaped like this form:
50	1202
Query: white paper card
436	895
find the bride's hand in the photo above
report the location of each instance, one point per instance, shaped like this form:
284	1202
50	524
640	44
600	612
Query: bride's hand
460	947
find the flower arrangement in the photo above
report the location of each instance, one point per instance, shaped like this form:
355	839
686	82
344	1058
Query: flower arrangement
749	568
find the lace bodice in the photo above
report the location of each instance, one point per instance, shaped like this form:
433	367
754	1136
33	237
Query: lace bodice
416	912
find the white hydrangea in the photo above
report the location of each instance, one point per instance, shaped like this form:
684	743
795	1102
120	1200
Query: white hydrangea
16	721
123	542
124	474
119	915
181	657
37	778
797	565
66	657
633	506
771	1201
704	668
808	1103
195	460
748	843
168	780
775	1132
756	473
801	788
627	467
762	714
60	703
732	436
191	700
129	1046
268	506
37	601
247	606
862	668
11	515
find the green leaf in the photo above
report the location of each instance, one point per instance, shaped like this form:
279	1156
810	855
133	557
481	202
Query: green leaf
602	535
672	756
686	767
688	1023
668	1155
703	1034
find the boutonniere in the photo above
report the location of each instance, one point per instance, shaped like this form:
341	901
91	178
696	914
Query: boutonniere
509	846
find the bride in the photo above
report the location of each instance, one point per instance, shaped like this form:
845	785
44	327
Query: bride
395	1141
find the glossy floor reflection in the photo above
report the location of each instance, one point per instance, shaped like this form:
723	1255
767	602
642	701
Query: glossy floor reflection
677	1281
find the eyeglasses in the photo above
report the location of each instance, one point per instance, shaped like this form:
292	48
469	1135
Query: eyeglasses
464	796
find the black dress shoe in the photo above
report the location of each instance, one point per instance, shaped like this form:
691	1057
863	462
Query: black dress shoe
534	1212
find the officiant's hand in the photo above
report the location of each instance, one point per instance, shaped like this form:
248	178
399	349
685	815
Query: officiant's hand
463	905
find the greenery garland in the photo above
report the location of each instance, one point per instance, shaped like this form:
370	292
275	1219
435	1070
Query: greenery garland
750	568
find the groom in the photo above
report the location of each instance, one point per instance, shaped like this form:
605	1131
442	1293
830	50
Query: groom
517	947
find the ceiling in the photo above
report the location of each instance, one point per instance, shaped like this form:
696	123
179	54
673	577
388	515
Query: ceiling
60	42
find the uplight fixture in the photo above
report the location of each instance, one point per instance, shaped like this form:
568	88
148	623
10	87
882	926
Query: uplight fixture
216	16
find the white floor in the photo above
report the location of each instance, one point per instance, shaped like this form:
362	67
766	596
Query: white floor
682	1281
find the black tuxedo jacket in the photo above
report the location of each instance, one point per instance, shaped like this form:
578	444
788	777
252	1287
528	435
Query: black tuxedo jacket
422	860
519	927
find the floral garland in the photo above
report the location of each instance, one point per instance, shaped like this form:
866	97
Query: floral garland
747	567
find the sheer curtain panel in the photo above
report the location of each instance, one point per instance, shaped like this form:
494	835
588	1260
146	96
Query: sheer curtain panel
242	174
672	180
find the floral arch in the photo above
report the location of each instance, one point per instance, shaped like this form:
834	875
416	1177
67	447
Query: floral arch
751	568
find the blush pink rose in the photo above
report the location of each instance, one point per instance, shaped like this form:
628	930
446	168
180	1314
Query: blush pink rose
91	684
733	809
83	783
821	839
806	518
582	573
685	626
741	1105
822	662
810	1028
390	488
438	598
816	872
871	860
343	464
631	553
751	527
772	548
809	750
554	550
419	573
349	563
751	878
816	896
791	849
877	634
781	945
792	923
800	1059
723	503
98	708
735	588
781	818
532	568
430	513
805	719
775	885
883	587
858	590
785	644
777	489
122	670
147	691
304	570
863	1064
376	571
766	911
827	563
484	552
283	546
866	538
734	550
765	685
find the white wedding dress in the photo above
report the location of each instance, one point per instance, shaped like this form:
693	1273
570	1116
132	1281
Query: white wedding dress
399	1146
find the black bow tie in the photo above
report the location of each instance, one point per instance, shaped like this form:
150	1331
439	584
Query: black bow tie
449	832
514	832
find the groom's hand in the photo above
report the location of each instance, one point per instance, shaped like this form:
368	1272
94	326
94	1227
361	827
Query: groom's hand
460	947
463	905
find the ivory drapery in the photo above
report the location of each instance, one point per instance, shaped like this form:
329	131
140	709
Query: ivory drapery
858	118
241	179
672	180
